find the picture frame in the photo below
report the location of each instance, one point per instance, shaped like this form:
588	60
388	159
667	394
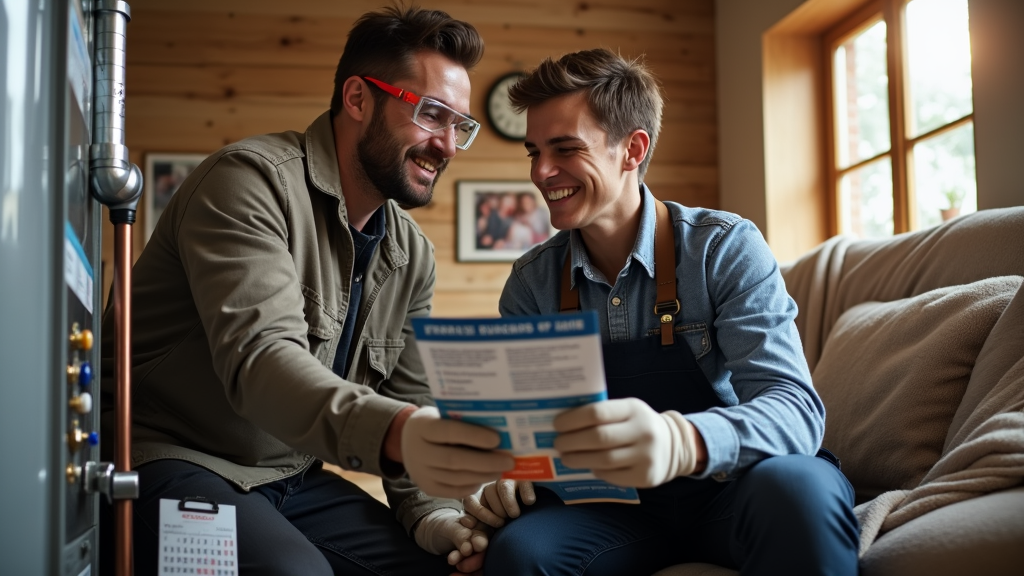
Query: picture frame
164	172
499	220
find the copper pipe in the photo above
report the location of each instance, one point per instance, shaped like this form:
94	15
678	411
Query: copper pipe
123	378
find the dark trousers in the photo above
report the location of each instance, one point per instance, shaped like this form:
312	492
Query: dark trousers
788	515
312	524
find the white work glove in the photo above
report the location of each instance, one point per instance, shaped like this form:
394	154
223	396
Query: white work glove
443	532
448	458
627	443
497	501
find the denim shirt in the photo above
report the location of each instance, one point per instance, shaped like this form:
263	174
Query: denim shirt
736	317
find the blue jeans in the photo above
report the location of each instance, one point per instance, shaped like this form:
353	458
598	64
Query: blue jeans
311	524
790	515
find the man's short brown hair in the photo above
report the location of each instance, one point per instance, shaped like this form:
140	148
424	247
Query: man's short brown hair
383	45
623	94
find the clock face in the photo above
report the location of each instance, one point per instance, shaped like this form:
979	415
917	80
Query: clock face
505	121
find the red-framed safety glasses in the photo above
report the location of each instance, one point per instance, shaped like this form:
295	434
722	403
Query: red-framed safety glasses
433	116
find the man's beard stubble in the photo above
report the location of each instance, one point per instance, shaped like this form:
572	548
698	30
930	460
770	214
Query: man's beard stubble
383	165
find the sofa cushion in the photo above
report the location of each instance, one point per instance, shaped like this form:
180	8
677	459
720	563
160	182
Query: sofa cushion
891	376
978	536
844	272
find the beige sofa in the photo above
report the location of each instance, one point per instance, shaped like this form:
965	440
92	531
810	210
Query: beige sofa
916	346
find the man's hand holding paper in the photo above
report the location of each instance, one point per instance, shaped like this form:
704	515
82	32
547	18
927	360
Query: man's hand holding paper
448	458
512	376
625	442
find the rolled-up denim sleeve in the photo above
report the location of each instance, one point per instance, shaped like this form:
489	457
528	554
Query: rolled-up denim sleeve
778	411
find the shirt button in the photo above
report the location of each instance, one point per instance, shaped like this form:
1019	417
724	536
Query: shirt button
721	476
358	278
616	301
354	462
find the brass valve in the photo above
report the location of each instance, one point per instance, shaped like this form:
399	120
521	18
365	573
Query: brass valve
80	339
73	473
80	373
81	403
75	437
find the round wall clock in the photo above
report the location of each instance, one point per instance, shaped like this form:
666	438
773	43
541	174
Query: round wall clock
500	114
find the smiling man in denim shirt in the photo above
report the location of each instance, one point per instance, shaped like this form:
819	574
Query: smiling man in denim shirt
712	412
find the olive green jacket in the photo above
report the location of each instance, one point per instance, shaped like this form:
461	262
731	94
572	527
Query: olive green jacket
239	301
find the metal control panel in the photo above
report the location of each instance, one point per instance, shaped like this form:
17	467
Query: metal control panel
50	284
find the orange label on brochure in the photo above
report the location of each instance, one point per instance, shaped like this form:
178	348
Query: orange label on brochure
531	468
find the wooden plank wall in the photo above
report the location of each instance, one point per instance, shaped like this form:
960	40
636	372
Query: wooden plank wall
205	73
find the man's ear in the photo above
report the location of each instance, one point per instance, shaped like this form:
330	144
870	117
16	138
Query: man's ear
355	99
637	144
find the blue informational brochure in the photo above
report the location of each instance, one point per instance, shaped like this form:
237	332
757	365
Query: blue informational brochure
515	375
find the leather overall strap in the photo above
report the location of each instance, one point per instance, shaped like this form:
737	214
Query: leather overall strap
664	275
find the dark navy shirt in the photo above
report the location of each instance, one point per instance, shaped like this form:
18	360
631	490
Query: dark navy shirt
364	245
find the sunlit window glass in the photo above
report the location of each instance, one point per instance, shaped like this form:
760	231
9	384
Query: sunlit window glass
865	197
861	97
938	63
944	176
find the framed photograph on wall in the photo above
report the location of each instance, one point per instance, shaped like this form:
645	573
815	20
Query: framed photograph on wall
163	174
497	220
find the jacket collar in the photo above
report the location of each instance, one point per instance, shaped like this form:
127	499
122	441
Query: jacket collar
322	156
643	247
322	159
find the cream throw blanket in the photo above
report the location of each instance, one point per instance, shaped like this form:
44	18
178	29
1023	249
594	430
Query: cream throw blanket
984	449
991	459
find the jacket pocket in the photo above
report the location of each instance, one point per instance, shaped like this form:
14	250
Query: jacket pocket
383	354
321	330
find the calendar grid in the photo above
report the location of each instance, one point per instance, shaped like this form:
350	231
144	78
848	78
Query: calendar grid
198	543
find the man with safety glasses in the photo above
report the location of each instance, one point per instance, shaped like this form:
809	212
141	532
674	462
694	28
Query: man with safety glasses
273	311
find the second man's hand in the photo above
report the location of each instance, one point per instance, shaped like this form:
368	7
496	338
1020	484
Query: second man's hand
625	442
448	458
497	501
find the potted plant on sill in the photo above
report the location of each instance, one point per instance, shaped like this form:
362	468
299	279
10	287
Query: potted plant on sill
954	197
